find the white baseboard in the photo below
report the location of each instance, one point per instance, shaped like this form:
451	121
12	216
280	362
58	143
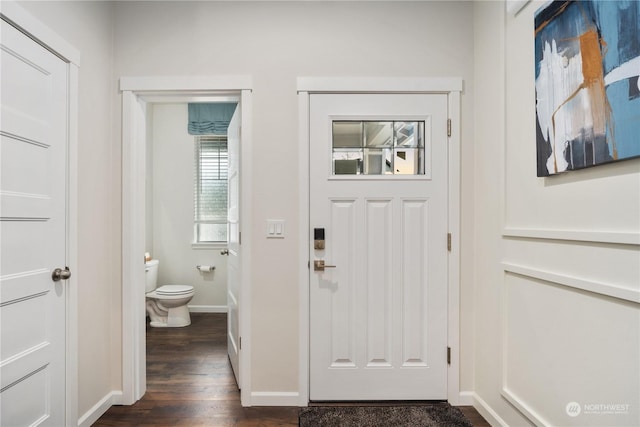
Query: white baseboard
465	398
207	308
92	415
487	412
275	398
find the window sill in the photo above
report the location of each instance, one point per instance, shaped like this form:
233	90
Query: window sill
217	245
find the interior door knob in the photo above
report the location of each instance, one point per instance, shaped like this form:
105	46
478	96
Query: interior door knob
224	252
60	274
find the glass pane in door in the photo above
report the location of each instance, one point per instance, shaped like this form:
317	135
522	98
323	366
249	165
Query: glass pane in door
378	147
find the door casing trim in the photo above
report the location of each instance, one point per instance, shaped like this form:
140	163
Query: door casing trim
452	86
153	89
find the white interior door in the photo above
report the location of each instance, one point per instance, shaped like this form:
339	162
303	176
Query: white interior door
33	211
378	319
233	265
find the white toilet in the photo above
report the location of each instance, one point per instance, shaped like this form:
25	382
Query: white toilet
166	305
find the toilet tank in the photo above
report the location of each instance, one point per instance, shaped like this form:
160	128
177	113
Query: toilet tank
151	275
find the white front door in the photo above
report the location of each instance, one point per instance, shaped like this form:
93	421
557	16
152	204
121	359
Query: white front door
378	310
33	211
233	264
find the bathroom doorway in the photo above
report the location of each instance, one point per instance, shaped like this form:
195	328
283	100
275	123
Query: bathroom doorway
174	188
142	98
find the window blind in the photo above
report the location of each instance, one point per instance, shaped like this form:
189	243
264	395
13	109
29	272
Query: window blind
212	162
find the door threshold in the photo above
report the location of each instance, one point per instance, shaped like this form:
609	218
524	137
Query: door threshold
377	403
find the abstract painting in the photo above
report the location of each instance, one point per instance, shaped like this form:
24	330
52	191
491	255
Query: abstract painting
587	63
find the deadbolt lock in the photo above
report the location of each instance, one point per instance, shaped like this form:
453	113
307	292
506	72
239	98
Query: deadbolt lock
318	238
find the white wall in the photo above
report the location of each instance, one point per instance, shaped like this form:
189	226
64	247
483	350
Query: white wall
172	212
276	42
557	281
89	27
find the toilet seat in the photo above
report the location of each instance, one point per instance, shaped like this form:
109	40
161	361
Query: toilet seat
174	290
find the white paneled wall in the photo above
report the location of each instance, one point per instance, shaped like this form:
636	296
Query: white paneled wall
561	345
558	290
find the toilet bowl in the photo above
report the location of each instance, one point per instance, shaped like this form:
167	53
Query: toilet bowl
166	305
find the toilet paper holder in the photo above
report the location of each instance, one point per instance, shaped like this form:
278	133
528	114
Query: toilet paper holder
205	268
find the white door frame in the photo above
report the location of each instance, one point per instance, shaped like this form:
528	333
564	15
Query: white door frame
28	24
452	87
136	90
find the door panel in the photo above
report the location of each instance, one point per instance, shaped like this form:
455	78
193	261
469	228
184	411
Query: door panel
378	318
32	224
379	281
233	264
414	278
341	300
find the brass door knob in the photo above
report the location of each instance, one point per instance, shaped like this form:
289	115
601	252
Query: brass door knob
319	265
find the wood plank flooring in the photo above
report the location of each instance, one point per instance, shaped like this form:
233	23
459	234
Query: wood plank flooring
190	383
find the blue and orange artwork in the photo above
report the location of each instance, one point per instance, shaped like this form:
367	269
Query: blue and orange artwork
587	58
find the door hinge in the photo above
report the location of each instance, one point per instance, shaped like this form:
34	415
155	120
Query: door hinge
240	237
448	355
240	343
448	127
308	264
449	242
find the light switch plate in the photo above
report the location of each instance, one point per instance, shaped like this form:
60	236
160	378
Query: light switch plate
275	229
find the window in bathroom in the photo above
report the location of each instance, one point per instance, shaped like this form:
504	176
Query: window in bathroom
211	164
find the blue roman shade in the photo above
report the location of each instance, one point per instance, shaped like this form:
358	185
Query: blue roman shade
210	118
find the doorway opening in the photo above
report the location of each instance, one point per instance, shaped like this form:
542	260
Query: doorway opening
140	95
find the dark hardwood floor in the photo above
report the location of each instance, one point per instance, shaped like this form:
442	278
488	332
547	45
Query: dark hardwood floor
190	383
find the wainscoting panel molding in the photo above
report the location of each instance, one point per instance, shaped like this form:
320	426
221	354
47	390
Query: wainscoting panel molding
604	268
569	311
632	295
558	347
623	238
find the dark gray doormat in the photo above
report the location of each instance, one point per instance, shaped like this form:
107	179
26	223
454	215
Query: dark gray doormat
435	415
